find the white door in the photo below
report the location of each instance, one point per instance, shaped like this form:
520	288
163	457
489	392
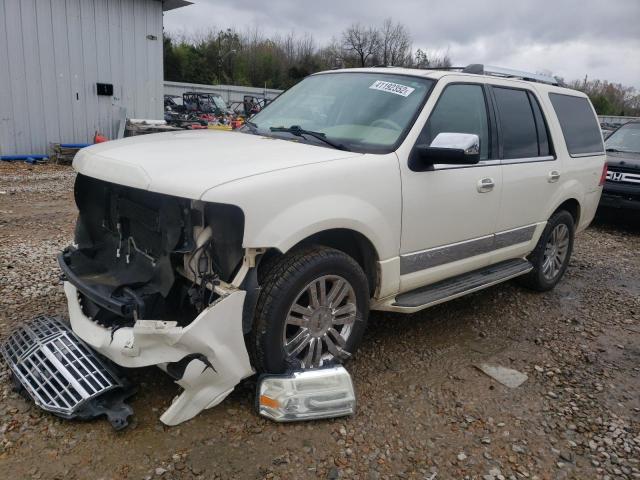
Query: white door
449	212
531	174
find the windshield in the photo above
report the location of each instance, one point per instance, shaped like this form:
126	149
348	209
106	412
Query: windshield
209	103
625	139
219	102
367	112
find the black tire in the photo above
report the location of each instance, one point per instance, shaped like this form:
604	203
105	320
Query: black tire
536	278
286	278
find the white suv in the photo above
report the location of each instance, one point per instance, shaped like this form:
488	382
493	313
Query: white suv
215	254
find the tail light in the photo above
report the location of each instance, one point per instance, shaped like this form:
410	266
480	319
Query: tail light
603	177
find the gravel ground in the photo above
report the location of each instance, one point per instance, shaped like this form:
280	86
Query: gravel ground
424	410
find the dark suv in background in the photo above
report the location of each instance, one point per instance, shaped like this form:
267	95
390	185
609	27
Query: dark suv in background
622	188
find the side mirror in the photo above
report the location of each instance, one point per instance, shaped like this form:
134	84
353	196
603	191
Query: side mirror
451	148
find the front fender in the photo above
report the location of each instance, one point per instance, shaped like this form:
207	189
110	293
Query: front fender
295	223
284	207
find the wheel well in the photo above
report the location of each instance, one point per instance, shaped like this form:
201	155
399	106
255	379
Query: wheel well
573	207
353	243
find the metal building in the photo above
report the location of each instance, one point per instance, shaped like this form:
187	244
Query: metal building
68	68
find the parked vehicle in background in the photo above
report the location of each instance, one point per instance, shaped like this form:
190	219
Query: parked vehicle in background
607	129
215	254
199	102
622	187
173	103
252	104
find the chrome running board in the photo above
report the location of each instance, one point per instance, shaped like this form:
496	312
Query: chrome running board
455	287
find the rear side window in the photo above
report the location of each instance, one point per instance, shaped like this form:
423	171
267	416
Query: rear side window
579	125
517	122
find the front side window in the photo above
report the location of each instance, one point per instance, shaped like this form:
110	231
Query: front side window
578	123
626	139
517	123
365	112
461	108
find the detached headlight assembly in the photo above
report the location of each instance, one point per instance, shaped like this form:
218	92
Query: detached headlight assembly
306	395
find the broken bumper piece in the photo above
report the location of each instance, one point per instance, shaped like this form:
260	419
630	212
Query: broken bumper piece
207	358
63	375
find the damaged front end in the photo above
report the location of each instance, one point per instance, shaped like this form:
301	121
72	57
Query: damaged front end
154	279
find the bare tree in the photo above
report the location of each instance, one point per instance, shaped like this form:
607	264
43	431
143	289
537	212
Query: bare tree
288	47
363	42
332	55
433	59
609	98
395	44
305	47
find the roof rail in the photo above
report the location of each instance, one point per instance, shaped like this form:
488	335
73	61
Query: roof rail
481	69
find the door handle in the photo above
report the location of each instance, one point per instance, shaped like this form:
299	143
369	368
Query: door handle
485	185
554	176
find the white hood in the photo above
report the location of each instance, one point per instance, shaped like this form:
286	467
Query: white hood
188	163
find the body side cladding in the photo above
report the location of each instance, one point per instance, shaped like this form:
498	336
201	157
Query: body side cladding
433	257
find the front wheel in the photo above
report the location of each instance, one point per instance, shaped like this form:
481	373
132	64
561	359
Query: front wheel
552	253
312	311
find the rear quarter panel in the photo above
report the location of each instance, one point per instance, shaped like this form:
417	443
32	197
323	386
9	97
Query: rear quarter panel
580	175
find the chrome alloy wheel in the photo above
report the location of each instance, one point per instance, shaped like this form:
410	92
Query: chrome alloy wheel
320	321
555	252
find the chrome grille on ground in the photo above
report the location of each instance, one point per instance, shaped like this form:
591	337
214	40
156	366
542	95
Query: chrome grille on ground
55	367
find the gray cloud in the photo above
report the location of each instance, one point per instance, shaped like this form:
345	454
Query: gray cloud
571	38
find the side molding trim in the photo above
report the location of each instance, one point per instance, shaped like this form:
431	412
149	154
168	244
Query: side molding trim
433	257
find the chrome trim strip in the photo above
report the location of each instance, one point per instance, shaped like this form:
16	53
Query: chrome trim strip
511	161
481	163
591	154
436	256
513	237
414	262
487	163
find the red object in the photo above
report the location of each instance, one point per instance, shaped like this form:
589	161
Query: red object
603	177
99	138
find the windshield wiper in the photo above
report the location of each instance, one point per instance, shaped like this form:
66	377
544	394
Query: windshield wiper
615	150
301	132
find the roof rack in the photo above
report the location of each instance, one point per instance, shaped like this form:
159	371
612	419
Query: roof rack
480	69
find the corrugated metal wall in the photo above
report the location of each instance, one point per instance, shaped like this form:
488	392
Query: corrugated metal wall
230	93
52	54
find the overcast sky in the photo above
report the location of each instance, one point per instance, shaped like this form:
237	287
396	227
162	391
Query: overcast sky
570	38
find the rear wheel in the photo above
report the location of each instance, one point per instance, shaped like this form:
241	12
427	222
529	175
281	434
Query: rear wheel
552	253
311	312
